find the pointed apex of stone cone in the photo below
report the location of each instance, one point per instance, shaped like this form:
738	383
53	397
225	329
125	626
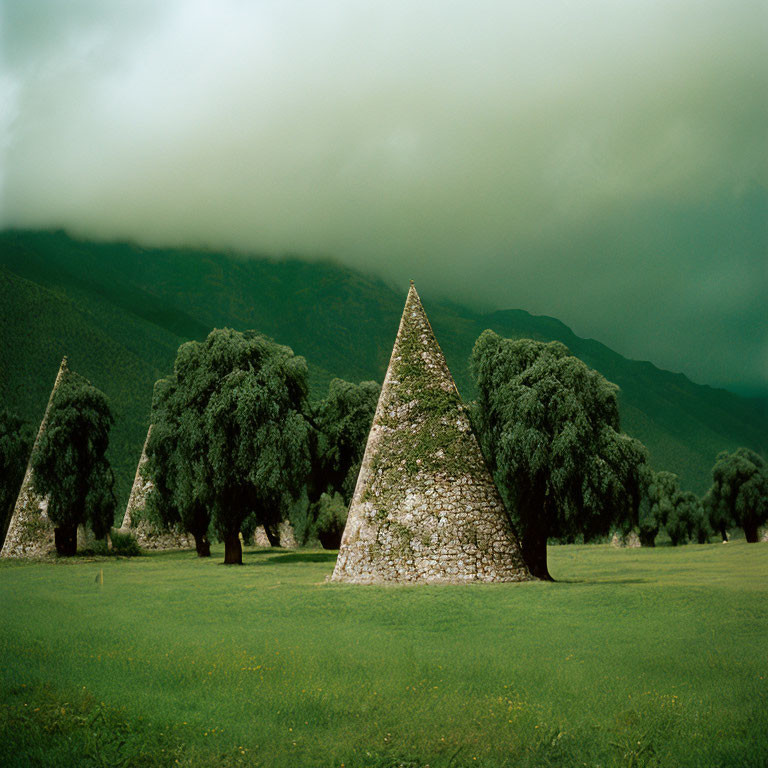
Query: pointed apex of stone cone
63	373
425	506
414	299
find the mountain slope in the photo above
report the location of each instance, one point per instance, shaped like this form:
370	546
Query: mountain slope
119	312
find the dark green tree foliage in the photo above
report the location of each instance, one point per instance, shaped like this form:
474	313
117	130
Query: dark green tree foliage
681	513
716	515
234	408
343	421
15	444
171	451
685	519
647	525
70	465
661	491
702	531
331	519
549	427
739	492
341	424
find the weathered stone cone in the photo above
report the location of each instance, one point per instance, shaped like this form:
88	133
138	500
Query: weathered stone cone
425	507
30	532
147	535
285	534
631	540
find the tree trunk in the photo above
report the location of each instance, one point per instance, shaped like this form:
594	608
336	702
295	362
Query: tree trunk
330	539
202	545
65	538
233	552
273	535
750	532
534	551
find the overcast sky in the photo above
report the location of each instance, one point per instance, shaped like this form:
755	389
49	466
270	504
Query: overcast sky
603	162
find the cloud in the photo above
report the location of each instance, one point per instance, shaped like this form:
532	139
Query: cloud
594	161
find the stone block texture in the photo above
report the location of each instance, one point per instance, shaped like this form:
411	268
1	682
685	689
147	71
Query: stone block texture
630	540
425	507
285	534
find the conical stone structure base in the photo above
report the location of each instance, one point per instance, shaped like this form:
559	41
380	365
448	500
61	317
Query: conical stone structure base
30	532
147	535
425	507
285	534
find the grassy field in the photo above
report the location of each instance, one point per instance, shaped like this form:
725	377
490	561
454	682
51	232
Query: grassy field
634	658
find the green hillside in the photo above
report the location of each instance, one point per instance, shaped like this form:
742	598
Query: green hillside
119	312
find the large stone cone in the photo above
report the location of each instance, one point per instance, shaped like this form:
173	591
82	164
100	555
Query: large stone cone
425	507
147	535
30	532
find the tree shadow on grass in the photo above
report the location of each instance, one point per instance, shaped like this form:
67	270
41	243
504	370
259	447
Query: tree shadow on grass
305	557
598	582
254	559
261	552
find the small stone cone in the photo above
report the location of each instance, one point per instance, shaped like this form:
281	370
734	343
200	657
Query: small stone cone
285	533
147	535
425	507
30	532
140	488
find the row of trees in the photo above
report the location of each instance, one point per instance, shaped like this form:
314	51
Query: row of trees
549	427
738	496
69	463
665	505
236	444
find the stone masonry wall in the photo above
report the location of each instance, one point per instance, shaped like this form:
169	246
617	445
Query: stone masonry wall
631	540
285	534
425	507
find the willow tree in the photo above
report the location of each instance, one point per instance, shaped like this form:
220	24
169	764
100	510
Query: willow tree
739	492
233	408
685	520
549	427
70	466
661	493
174	500
343	420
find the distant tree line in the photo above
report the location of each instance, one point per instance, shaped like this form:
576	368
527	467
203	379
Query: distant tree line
549	427
237	444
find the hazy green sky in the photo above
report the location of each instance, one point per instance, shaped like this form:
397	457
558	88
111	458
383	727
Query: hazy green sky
602	162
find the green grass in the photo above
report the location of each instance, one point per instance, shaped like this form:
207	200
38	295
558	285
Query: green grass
635	658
